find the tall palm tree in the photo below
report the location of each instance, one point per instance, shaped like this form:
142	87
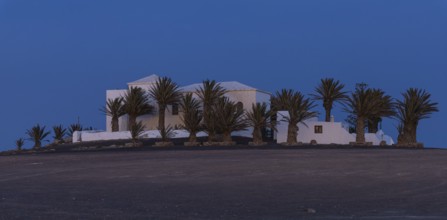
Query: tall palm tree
136	103
165	92
192	116
19	143
59	133
415	106
367	103
37	134
298	107
258	118
115	109
209	93
329	91
229	117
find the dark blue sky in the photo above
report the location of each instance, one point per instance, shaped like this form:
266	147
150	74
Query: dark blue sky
58	57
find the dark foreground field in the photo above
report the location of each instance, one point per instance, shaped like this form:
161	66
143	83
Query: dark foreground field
226	184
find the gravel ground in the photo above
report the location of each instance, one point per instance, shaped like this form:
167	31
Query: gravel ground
226	184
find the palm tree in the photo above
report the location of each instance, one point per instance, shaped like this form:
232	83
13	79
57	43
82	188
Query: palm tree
192	116
330	91
229	117
164	92
136	103
136	131
114	108
298	107
259	119
415	106
37	134
367	103
209	93
74	127
19	143
59	133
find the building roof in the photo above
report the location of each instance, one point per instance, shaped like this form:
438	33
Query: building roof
146	80
229	86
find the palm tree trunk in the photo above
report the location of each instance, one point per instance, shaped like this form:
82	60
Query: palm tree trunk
206	120
115	125
412	133
360	130
37	144
328	114
292	133
131	122
404	137
257	135
211	136
227	137
161	116
192	137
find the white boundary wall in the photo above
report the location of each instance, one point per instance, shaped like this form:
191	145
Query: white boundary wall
85	136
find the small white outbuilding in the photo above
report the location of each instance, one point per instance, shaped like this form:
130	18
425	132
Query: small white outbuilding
325	132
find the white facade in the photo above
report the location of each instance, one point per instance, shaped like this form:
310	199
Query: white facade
331	132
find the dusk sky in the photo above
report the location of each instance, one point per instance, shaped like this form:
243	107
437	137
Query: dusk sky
58	57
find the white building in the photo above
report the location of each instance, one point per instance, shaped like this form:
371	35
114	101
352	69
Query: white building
325	132
236	92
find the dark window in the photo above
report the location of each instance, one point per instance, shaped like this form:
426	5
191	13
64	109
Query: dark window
175	109
318	129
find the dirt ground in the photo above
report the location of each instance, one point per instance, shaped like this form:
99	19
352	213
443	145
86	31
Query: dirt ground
226	184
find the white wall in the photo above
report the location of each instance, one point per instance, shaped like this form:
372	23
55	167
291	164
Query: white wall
333	132
84	136
246	97
145	86
263	97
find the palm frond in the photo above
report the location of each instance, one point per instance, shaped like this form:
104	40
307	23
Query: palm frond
329	91
37	134
59	132
19	143
74	127
296	104
209	93
164	92
415	106
136	131
192	115
229	116
136	103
